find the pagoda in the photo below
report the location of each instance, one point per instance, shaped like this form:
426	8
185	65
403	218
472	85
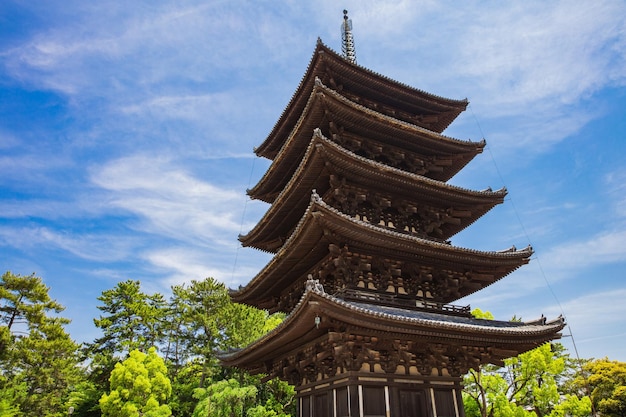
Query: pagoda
360	220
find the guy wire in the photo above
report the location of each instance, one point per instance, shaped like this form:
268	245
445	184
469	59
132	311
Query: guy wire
538	260
243	217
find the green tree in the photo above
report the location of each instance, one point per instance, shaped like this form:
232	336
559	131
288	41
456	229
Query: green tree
200	325
607	381
47	361
204	321
277	397
130	319
133	319
39	360
244	324
532	383
527	383
184	382
533	376
84	399
572	405
225	398
250	398
139	387
25	302
11	396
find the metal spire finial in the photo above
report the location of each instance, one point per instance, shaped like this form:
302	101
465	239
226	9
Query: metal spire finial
347	40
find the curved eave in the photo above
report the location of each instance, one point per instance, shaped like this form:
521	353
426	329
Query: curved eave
322	225
433	141
322	57
299	328
401	135
324	157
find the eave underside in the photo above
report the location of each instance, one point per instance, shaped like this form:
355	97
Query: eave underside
368	190
324	336
345	252
366	133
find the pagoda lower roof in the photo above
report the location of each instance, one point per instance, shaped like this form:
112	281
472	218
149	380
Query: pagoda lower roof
324	158
318	315
446	156
410	104
322	226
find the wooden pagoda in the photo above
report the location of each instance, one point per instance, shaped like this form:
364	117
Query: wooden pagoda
359	224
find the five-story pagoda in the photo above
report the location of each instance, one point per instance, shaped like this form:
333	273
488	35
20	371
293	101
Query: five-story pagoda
359	224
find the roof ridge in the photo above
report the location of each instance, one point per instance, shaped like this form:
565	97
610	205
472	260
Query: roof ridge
341	97
399	83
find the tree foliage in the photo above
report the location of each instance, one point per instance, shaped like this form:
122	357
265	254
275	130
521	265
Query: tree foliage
232	398
607	381
25	302
40	372
132	319
139	387
225	398
198	321
199	328
530	384
39	360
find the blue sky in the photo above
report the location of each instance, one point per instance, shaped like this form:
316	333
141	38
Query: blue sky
127	129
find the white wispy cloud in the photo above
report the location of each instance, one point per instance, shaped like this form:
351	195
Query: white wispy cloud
170	201
615	182
87	246
8	140
190	107
148	46
596	323
181	264
562	263
601	249
544	51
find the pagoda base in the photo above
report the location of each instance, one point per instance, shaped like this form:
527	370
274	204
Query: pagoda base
364	394
354	359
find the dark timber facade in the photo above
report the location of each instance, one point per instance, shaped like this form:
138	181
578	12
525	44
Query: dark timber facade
359	221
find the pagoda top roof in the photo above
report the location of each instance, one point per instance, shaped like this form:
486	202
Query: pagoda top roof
301	327
324	157
323	225
390	132
410	104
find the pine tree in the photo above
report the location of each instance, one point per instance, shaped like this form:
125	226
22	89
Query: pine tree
133	319
38	359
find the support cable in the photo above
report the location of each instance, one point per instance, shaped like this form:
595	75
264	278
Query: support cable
537	259
243	217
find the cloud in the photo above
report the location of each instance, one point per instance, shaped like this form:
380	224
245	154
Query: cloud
588	310
182	264
191	107
149	45
596	323
87	246
615	182
170	201
601	249
564	261
532	61
8	140
26	165
533	52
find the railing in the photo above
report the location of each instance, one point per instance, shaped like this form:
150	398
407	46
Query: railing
392	300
